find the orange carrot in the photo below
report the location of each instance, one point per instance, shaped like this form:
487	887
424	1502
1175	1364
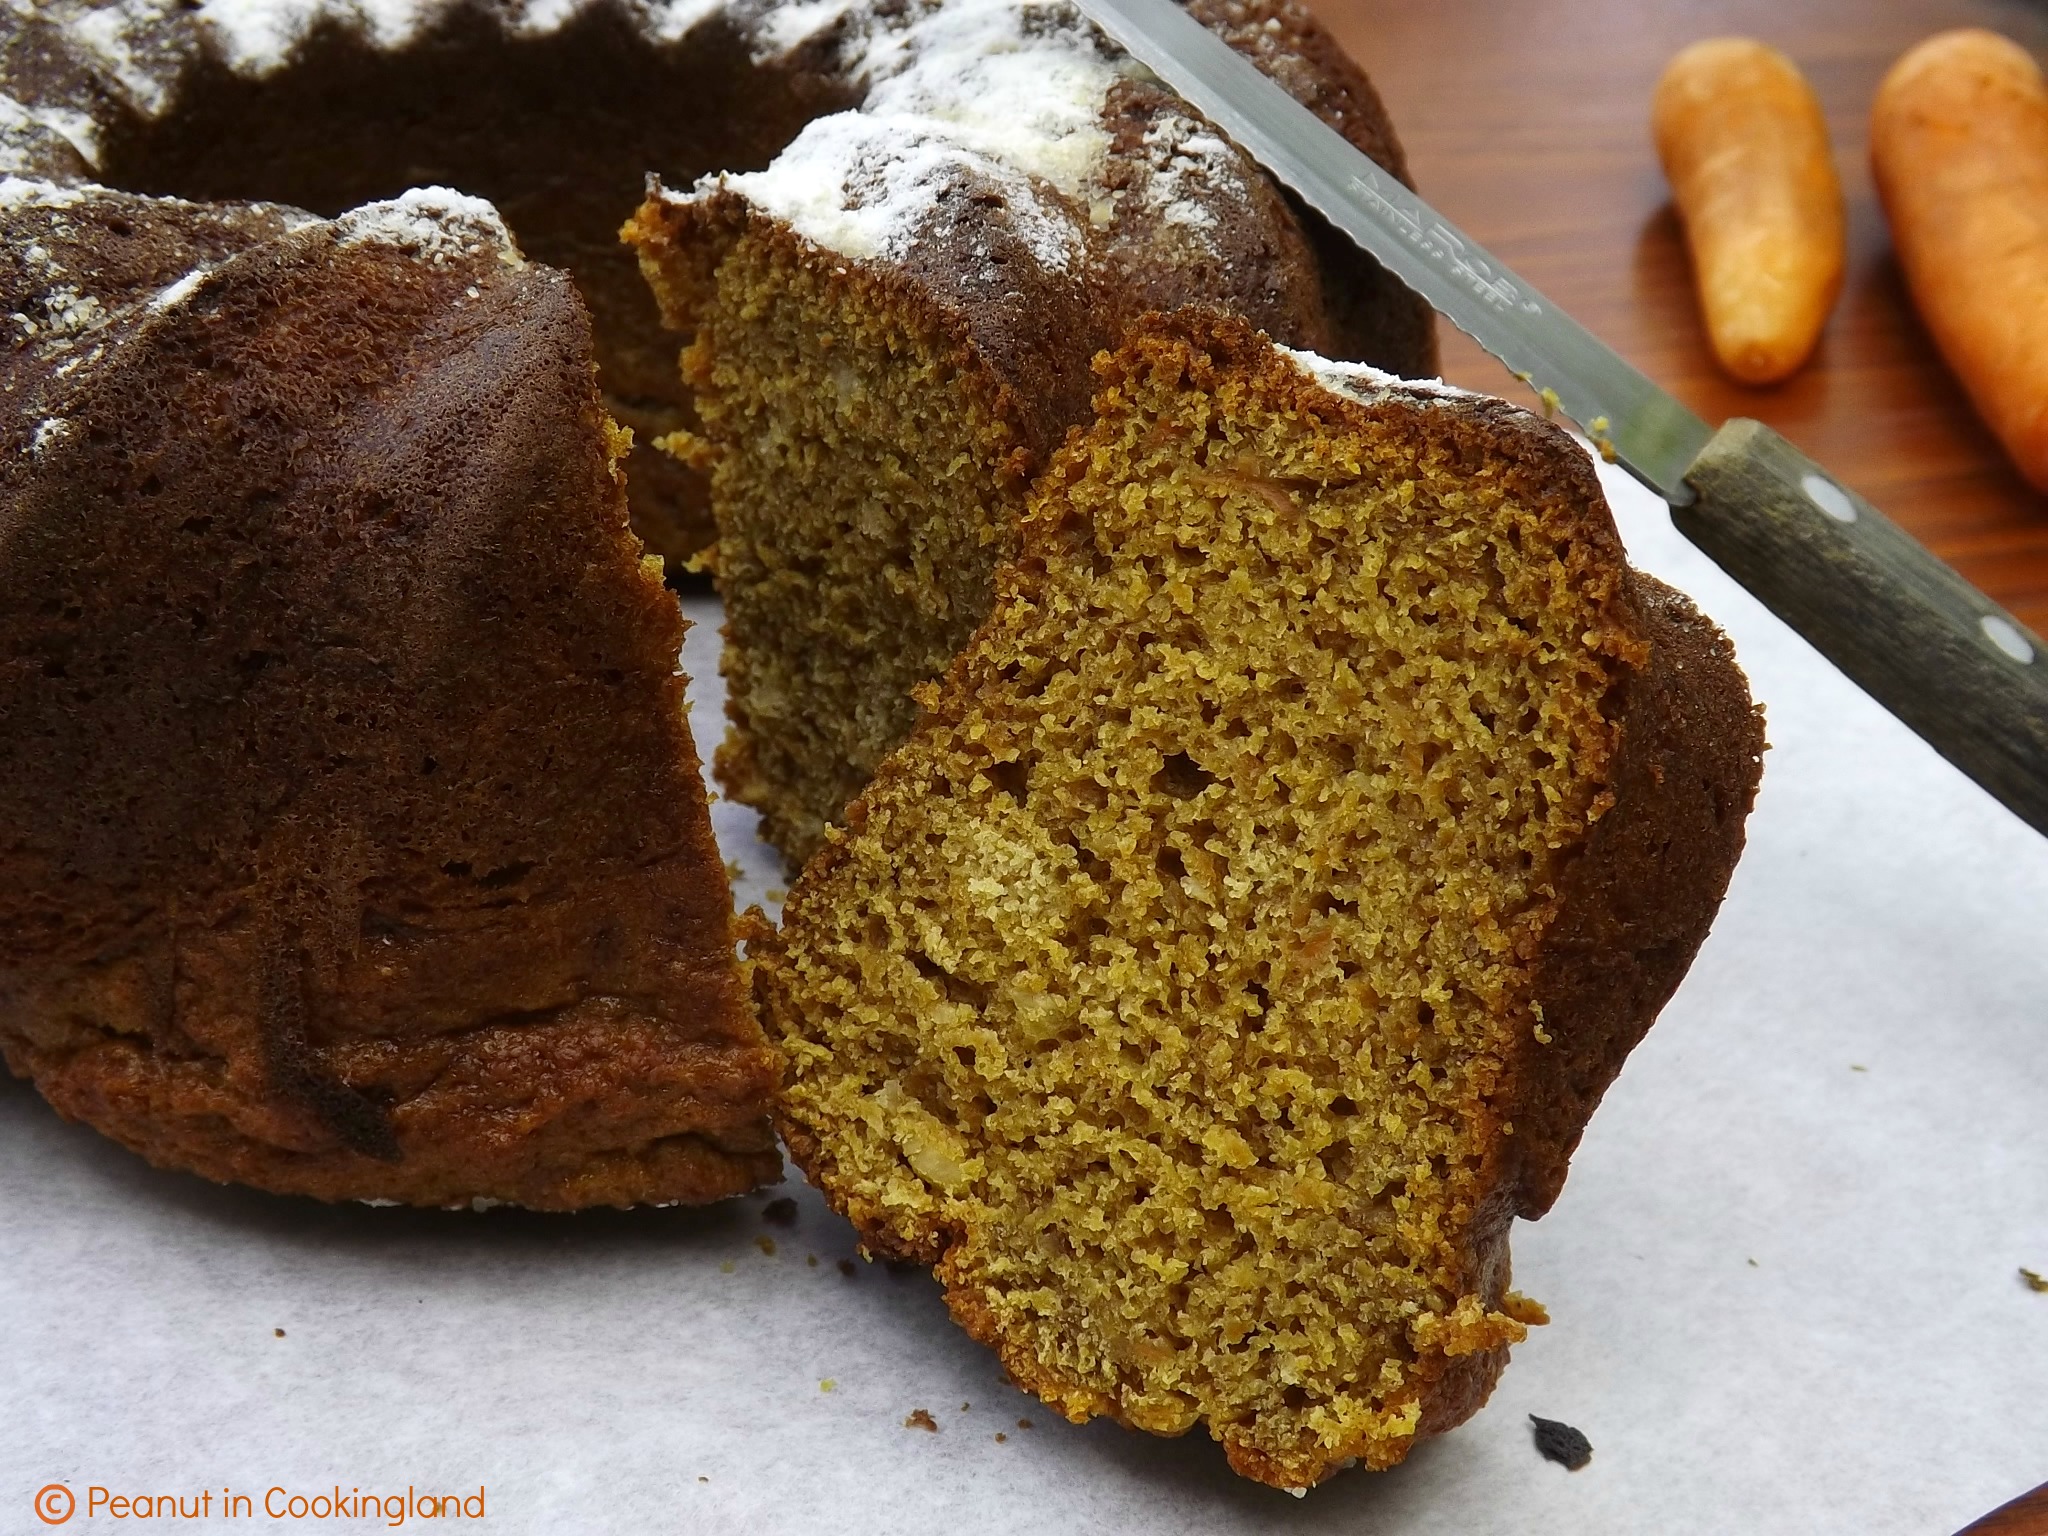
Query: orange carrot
1745	147
1959	141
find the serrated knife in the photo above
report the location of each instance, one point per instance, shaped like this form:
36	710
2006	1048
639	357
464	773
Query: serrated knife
1961	671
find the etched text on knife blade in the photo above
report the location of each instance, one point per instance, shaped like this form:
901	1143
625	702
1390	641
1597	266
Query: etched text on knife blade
1438	241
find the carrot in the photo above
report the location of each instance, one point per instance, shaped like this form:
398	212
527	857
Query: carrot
1745	147
1959	142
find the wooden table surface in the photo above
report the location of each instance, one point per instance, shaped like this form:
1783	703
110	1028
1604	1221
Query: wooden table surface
1528	124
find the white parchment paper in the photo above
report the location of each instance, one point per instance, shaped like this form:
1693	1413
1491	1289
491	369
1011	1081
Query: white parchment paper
1784	1274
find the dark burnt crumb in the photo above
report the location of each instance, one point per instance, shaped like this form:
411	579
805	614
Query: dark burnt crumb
1001	1437
922	1419
2033	1281
766	1245
965	1406
846	1268
1024	1424
279	1332
781	1213
1561	1443
703	1479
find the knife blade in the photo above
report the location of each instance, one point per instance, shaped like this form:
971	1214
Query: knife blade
1958	669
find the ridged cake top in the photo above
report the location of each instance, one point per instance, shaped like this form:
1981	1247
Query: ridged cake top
66	303
143	45
1011	96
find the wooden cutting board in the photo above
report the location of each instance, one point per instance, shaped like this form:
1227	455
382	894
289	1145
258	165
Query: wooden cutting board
1528	124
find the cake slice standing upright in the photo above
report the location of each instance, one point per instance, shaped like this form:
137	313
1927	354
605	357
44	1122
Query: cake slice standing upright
1270	891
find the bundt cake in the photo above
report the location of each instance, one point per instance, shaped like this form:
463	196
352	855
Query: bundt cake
1267	894
347	808
352	841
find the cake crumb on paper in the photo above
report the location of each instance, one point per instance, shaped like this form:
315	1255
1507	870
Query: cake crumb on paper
766	1244
1561	1443
2033	1281
828	1385
1001	1438
922	1419
279	1332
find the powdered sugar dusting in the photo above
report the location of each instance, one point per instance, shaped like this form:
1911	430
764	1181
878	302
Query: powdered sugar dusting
178	292
433	223
669	21
1021	84
861	187
786	27
1009	93
1188	158
258	36
1366	384
19	123
48	432
76	128
61	314
540	16
20	191
115	34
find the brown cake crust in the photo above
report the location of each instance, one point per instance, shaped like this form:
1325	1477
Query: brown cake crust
352	841
1631	899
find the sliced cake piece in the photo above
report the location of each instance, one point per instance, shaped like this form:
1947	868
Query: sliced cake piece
352	842
1272	888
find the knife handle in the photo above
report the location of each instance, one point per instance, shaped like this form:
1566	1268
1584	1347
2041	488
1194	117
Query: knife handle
1931	648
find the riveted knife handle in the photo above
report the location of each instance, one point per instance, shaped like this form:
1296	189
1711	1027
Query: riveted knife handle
1931	648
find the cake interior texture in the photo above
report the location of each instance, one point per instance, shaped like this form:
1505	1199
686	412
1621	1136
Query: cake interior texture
868	479
1172	987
